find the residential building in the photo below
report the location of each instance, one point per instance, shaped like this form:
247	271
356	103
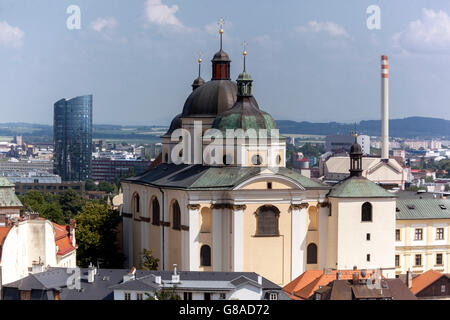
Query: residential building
72	134
346	285
111	170
431	285
340	143
422	233
14	165
391	289
32	243
384	172
122	284
53	188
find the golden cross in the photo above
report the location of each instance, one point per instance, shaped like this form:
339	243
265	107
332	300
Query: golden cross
221	22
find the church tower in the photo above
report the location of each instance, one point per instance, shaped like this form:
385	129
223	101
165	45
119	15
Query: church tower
361	222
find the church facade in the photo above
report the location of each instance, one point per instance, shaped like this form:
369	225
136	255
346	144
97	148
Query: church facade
211	205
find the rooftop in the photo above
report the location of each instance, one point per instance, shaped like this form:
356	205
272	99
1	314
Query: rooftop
359	187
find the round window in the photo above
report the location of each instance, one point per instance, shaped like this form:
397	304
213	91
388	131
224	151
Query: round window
257	160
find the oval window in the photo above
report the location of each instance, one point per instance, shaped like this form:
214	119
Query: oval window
257	160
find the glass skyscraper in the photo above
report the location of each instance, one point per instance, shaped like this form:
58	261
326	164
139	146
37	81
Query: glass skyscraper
72	137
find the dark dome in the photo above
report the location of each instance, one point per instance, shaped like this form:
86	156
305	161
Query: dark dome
221	56
175	124
210	99
356	148
198	82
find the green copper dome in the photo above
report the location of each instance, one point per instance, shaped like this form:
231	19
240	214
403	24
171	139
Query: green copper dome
245	113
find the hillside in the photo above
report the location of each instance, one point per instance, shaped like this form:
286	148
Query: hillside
413	127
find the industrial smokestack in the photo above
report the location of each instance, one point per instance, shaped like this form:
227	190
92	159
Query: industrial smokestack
384	107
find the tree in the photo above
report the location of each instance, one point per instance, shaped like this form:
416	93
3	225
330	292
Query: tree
107	187
90	185
71	203
164	294
46	206
97	236
148	261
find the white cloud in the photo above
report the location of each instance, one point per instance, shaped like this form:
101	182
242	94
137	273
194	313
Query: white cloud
104	24
10	37
162	15
431	33
330	28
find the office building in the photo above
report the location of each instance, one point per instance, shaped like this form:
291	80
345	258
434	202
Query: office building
72	134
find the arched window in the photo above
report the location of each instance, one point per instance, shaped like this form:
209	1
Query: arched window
176	215
267	221
366	212
311	253
205	256
155	211
136	204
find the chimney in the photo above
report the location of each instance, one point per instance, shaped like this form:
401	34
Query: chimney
409	279
355	277
259	280
130	276
91	273
384	108
37	267
175	276
157	279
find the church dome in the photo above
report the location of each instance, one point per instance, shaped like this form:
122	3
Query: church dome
245	113
175	124
210	99
221	56
356	148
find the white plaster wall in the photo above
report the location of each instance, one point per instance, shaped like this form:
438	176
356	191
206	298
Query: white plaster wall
246	292
352	244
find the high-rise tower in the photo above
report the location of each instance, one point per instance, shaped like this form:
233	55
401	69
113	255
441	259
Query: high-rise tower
72	136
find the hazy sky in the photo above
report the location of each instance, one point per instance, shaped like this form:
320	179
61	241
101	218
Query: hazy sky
310	60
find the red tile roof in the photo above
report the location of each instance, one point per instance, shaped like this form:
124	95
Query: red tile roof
62	239
303	287
424	280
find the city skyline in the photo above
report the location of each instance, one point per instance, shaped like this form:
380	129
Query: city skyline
134	61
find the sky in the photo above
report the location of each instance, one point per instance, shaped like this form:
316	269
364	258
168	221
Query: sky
311	60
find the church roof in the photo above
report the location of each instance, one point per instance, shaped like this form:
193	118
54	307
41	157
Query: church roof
8	197
199	177
210	99
358	187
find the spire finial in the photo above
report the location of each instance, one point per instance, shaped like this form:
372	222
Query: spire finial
200	53
221	22
244	52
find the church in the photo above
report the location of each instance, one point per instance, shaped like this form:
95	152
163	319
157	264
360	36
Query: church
210	205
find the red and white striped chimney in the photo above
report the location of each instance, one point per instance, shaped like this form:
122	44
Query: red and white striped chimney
384	107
